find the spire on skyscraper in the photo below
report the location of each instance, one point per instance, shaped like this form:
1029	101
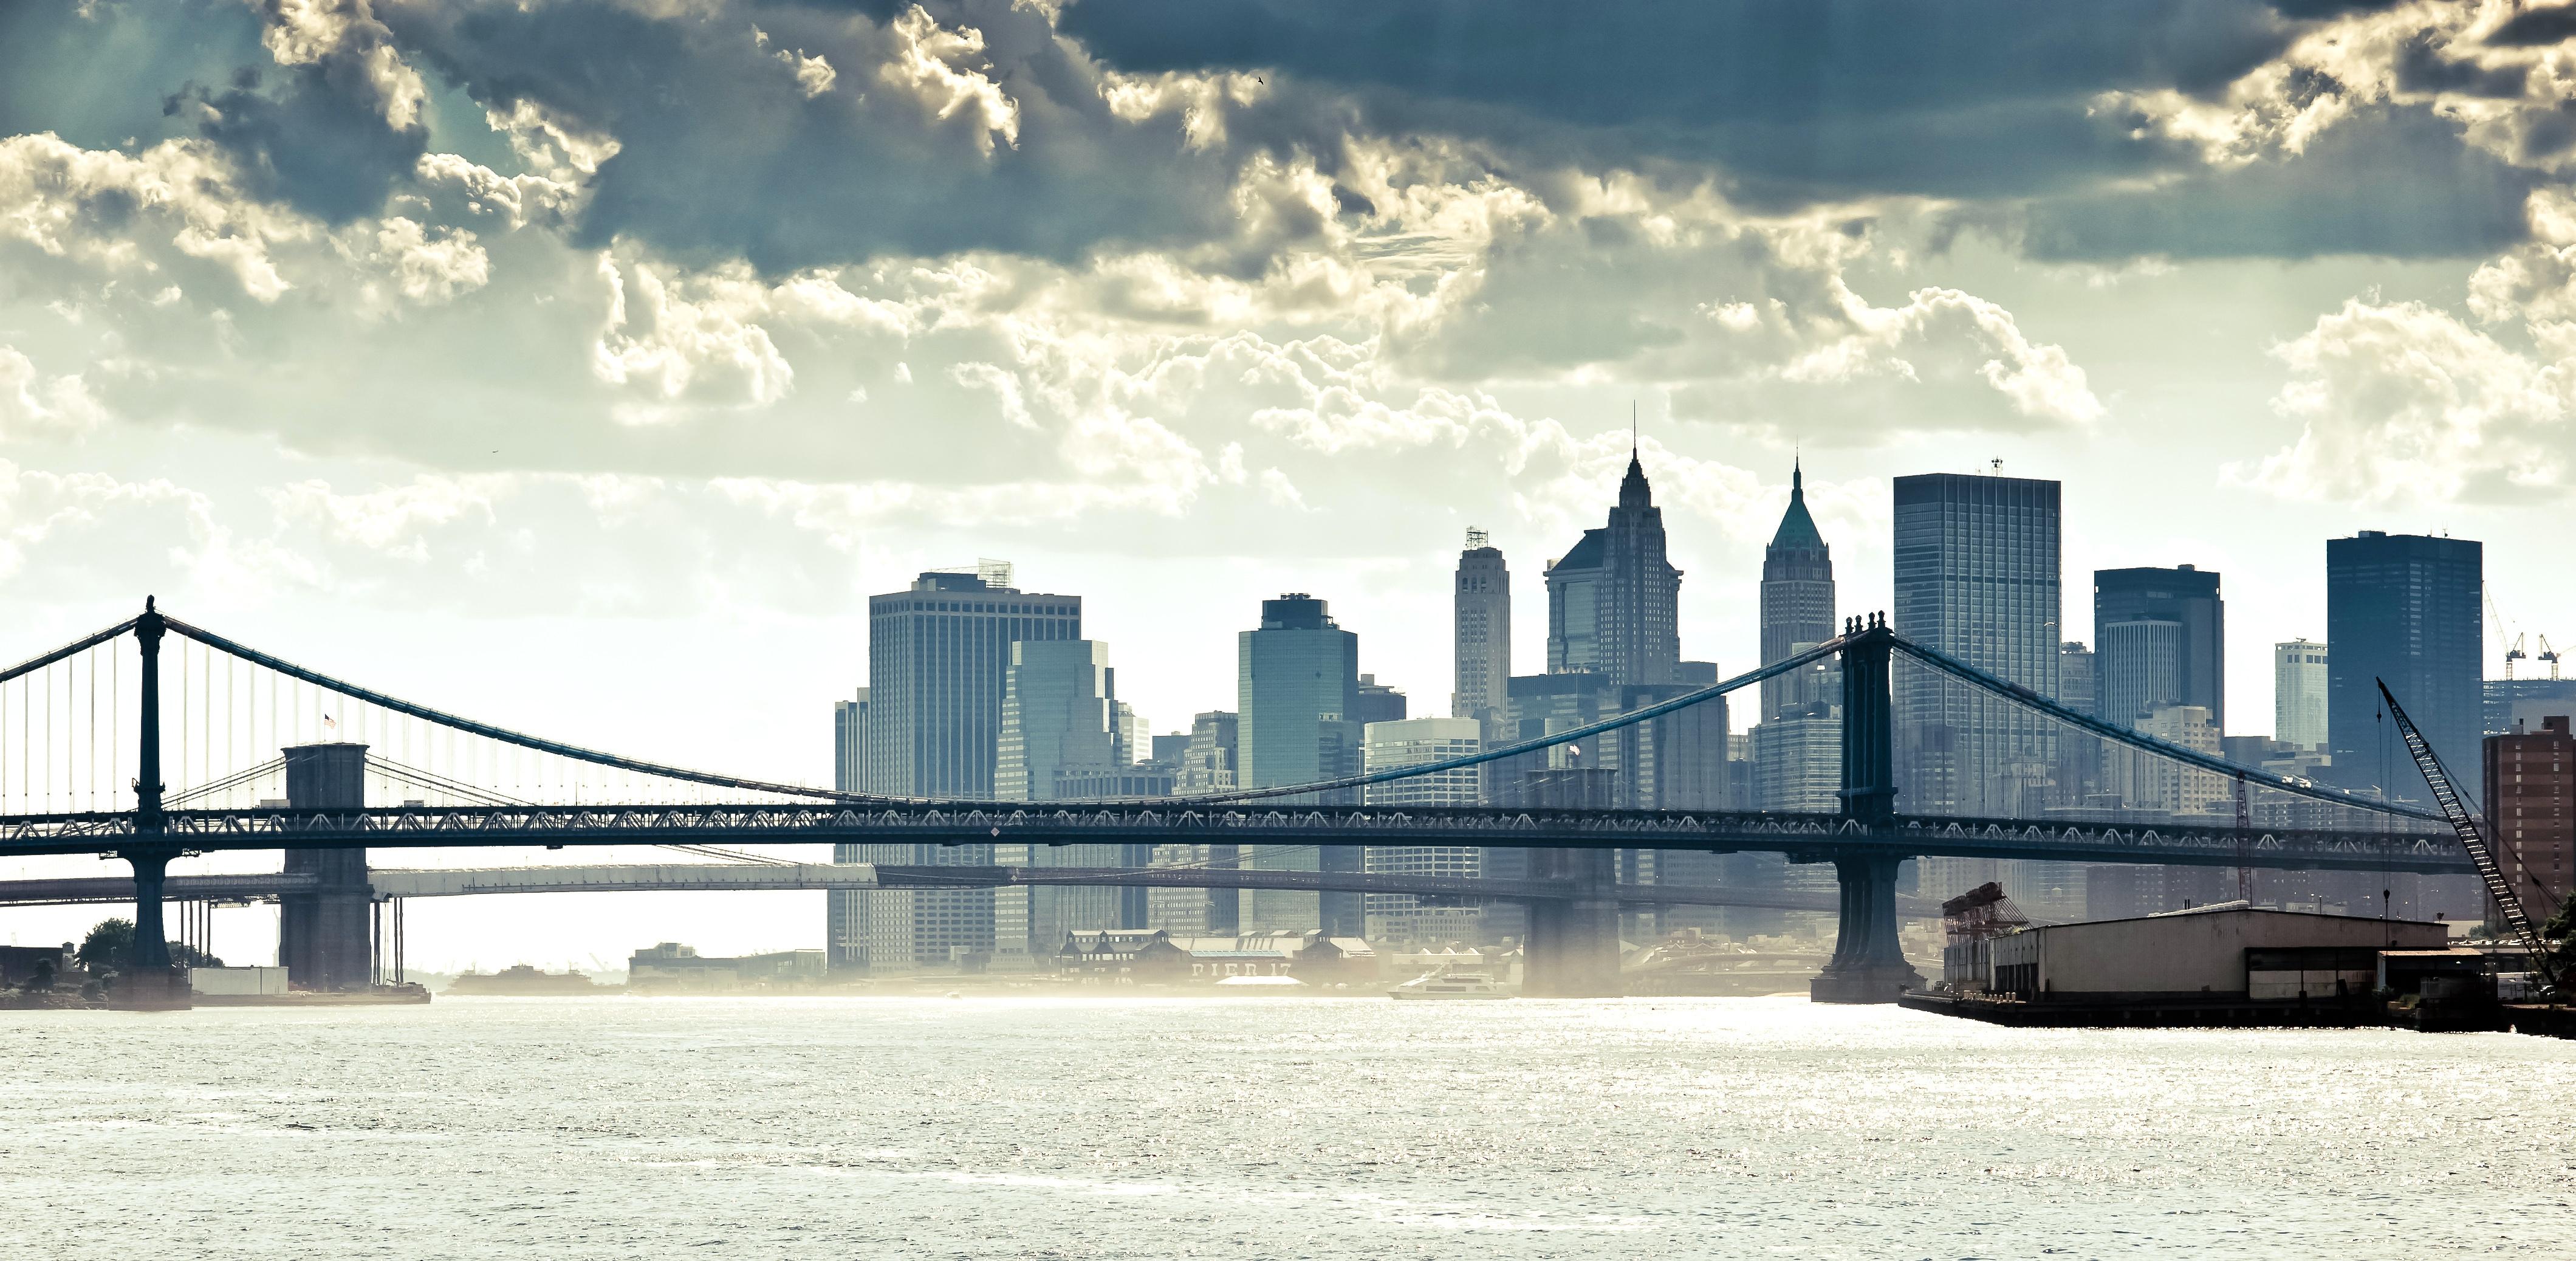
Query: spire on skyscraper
1633	491
1797	529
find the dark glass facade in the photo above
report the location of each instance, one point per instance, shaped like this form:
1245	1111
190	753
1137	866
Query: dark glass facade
2404	608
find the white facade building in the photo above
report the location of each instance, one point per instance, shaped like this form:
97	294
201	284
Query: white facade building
2299	694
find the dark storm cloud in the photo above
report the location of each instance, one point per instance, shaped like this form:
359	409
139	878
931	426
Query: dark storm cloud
2536	28
2391	182
721	155
2422	68
310	137
1885	95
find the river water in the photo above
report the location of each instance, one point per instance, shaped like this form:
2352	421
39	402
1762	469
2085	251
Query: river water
1261	1127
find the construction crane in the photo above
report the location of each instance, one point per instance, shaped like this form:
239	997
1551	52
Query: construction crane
2499	889
2512	653
2549	655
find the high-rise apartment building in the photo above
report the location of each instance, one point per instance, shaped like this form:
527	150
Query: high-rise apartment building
2299	682
1412	742
1976	579
1613	602
2404	608
845	928
1481	631
2186	597
1297	689
1797	602
939	657
2530	788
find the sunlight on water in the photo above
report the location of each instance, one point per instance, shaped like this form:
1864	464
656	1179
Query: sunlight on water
1262	1127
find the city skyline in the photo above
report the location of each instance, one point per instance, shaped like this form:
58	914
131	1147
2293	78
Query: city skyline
1076	602
529	408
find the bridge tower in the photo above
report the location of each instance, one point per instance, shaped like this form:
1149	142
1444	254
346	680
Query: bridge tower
323	935
1572	950
150	981
1868	965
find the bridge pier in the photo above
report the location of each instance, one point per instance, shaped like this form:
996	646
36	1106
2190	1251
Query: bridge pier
1868	965
1572	950
324	937
148	982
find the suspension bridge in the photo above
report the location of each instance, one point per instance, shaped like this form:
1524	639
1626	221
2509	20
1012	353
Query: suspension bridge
269	754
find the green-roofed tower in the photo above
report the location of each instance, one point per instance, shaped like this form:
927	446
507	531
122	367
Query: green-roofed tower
1797	597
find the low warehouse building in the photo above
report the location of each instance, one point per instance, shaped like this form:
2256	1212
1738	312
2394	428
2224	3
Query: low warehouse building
2213	953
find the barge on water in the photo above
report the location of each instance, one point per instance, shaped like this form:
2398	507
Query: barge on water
2215	966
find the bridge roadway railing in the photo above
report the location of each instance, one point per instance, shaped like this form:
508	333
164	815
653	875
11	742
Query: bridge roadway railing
1813	837
734	877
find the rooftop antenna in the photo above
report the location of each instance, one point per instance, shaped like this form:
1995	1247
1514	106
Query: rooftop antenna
1632	429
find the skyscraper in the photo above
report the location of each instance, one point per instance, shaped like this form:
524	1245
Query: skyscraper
1297	690
1411	742
1058	706
2404	608
939	658
1797	601
1481	632
1612	602
2188	598
2079	755
844	937
1060	715
1976	579
2299	682
2138	669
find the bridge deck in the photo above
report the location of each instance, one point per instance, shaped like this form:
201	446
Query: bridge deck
715	877
1803	837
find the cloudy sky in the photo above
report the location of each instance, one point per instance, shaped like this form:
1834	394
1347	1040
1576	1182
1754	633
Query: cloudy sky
584	364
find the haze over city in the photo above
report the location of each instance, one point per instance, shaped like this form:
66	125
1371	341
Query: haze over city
584	368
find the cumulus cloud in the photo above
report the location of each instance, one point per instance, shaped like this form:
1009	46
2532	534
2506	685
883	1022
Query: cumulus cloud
2402	402
697	338
431	265
35	405
141	214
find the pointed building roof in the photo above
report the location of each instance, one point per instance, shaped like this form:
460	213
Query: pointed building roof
1797	529
1633	492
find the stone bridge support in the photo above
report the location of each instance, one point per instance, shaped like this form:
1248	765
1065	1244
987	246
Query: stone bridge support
324	936
1868	966
1572	950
